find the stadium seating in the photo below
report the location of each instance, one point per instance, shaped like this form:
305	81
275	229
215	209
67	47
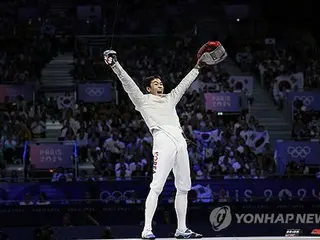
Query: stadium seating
288	73
27	44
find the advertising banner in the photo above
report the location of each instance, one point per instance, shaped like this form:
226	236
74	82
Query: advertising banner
295	151
11	91
51	156
310	99
96	92
222	102
266	190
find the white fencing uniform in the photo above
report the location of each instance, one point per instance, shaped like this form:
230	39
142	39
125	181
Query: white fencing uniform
159	112
170	152
169	145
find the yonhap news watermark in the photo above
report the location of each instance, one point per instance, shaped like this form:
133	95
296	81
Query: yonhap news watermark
238	216
272	218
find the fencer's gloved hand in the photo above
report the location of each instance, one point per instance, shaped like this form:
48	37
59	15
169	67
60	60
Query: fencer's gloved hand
110	57
211	53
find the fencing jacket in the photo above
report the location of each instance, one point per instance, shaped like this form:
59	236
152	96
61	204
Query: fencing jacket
159	112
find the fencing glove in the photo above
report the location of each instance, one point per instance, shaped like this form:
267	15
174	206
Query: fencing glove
110	57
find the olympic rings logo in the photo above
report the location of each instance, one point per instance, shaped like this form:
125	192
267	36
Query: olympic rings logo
307	100
299	152
116	196
94	91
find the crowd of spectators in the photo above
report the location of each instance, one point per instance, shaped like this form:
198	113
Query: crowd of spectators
301	169
104	134
139	18
282	69
122	149
20	119
27	44
115	139
27	41
306	122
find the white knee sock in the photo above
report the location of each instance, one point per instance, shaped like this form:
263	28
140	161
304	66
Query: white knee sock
181	204
151	205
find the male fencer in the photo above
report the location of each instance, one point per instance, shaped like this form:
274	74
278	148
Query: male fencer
169	145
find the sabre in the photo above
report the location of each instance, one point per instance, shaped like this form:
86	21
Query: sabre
114	24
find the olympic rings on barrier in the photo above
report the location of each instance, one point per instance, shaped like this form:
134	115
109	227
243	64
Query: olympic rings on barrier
116	196
94	91
307	100
299	152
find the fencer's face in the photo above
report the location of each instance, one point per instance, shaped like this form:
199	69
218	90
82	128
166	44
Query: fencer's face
156	87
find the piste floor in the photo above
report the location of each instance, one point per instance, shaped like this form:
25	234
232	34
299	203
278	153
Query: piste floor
234	238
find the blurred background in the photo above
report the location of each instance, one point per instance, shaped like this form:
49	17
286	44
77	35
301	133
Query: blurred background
73	150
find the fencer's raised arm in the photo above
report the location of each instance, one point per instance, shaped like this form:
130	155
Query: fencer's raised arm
136	96
177	93
210	53
128	84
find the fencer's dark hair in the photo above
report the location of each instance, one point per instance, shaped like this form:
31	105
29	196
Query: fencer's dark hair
147	81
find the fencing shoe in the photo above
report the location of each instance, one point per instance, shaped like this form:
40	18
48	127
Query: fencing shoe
186	234
147	234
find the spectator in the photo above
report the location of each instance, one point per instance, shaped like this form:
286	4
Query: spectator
59	175
38	128
43	200
122	170
9	148
137	164
107	234
27	200
114	146
82	143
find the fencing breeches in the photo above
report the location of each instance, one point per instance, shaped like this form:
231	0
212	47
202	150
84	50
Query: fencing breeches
170	153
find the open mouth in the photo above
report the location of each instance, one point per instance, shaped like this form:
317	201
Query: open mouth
159	92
